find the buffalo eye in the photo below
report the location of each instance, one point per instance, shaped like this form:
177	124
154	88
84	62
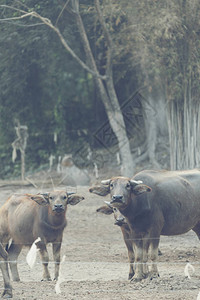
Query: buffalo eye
111	185
64	197
128	186
51	198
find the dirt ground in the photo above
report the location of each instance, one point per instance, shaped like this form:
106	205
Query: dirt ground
96	264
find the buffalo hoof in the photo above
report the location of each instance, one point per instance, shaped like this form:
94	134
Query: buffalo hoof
46	279
153	275
7	294
16	279
130	276
137	278
159	252
145	275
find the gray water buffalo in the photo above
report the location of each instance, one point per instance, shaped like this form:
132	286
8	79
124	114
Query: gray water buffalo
23	221
155	203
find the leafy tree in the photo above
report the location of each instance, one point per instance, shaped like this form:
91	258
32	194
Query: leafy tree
107	92
164	40
38	86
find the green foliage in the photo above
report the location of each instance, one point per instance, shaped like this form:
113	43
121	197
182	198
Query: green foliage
42	87
156	43
168	43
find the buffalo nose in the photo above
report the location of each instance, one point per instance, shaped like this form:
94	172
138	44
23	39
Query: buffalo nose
58	206
117	197
120	219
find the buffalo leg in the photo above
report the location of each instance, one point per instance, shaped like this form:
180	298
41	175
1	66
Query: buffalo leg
146	243
7	293
56	255
154	257
138	250
45	261
129	245
13	253
131	258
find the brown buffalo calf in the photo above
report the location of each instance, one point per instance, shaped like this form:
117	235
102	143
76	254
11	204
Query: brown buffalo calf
23	220
120	221
7	293
126	232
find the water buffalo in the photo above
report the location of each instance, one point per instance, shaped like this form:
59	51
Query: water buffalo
125	229
155	203
7	293
121	222
23	220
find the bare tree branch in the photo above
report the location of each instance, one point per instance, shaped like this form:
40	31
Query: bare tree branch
60	14
75	5
13	8
47	22
21	25
107	37
106	89
103	24
17	18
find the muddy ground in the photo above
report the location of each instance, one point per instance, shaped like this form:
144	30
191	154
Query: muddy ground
96	265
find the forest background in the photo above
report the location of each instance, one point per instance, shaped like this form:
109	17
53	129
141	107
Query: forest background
114	83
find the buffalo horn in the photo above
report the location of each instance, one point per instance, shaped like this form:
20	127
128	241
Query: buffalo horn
44	194
135	182
108	203
105	182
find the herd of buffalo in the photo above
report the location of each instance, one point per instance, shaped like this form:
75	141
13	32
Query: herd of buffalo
150	204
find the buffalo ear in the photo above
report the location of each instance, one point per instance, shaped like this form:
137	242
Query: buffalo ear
143	202
40	199
141	188
74	199
101	190
105	210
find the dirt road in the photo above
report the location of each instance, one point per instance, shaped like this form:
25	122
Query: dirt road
96	265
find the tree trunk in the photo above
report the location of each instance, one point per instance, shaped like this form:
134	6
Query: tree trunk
155	118
111	105
151	129
107	94
184	124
